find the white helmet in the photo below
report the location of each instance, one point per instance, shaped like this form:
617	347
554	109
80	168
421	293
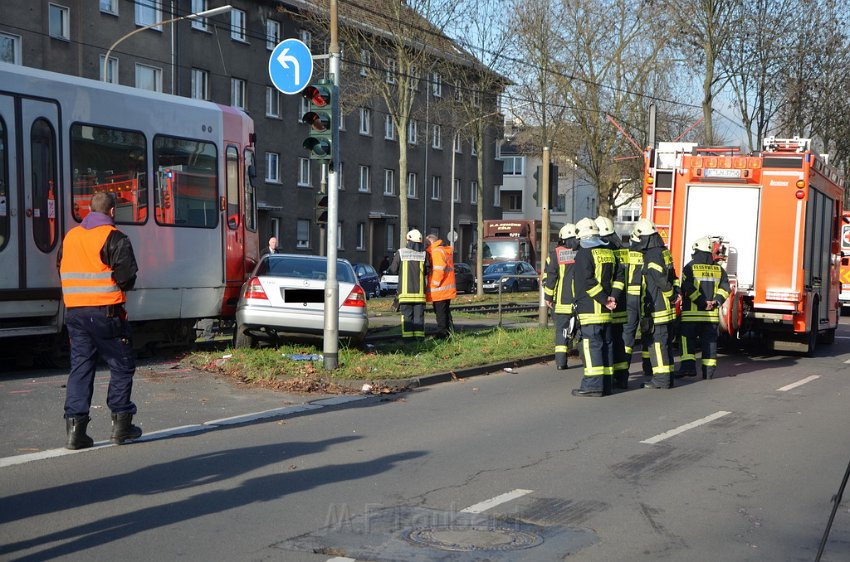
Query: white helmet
414	236
702	244
606	226
643	227
586	227
567	231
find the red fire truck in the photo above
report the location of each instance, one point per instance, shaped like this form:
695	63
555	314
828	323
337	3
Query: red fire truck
777	213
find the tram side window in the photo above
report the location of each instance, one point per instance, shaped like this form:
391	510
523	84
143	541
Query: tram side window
4	187
186	182
250	194
45	227
113	161
232	187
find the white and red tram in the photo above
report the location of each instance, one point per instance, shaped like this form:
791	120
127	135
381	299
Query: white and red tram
181	170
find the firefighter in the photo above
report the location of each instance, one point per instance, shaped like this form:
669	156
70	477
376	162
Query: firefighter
411	264
660	300
705	287
619	316
634	305
96	266
441	289
558	290
596	294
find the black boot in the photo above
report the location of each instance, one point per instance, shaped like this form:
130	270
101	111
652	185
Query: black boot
75	428
123	428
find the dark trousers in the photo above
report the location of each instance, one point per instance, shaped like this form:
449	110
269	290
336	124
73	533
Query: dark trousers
706	333
597	354
632	322
562	348
661	353
621	360
93	334
412	320
444	318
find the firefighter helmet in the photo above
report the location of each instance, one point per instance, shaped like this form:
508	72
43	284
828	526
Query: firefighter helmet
414	236
643	227
702	244
586	227
567	231
606	226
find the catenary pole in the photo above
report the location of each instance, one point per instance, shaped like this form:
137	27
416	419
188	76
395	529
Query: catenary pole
543	250
330	347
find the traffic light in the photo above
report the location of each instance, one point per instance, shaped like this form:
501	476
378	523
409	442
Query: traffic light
321	208
320	119
553	185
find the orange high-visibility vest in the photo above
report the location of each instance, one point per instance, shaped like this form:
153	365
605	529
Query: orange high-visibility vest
86	280
441	282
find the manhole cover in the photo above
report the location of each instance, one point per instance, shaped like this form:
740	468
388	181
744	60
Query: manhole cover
467	539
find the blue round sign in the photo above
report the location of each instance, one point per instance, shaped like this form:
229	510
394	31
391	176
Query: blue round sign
290	66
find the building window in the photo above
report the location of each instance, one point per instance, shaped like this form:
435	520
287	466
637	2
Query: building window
304	176
391	241
10	48
389	128
272	102
364	179
306	38
59	22
200	84
515	202
237	93
339	236
497	195
111	69
473	192
628	214
199	6
412	131
109	7
513	165
436	85
305	107
272	34
302	233
391	71
411	185
148	12
458	92
457	188
437	137
237	25
340	173
361	236
436	189
341	121
472	150
365	62
272	167
476	98
389	182
458	143
148	78
365	121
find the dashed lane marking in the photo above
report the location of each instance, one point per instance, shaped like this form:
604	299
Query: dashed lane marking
788	387
682	428
493	502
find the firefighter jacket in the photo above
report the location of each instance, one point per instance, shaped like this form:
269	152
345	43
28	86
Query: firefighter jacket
558	277
441	281
595	280
634	273
96	264
411	264
659	280
621	253
703	280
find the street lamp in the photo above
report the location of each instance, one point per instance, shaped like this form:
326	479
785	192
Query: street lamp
454	157
204	14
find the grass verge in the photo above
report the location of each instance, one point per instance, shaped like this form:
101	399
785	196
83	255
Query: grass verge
275	367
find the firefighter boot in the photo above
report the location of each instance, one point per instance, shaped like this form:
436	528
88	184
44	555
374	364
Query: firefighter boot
75	428
646	364
708	372
123	428
621	380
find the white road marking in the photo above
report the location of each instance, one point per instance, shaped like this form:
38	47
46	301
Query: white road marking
798	383
847	362
842	337
493	502
682	428
341	559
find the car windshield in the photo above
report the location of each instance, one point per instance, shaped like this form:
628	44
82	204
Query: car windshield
501	268
304	268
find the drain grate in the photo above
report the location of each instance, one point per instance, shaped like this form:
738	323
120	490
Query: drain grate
474	538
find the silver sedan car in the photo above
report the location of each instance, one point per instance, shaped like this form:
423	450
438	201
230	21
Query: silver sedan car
286	295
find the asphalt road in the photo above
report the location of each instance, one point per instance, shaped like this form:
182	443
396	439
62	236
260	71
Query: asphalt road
501	467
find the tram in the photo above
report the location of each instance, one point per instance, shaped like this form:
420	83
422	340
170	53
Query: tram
182	172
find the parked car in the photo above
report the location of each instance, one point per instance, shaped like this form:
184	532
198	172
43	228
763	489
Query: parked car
368	278
286	295
464	278
496	273
389	284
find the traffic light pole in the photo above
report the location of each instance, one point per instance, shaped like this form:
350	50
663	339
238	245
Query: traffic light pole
543	251
330	349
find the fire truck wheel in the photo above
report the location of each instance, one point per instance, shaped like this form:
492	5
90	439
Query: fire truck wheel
827	337
813	333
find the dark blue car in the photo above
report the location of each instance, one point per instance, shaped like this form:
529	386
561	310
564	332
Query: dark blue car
368	279
513	275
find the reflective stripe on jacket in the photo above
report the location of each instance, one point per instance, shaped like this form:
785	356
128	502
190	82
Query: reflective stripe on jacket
86	280
441	281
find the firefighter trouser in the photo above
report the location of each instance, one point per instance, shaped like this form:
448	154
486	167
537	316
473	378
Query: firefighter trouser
633	310
412	320
661	354
620	360
443	311
562	342
597	354
707	333
92	334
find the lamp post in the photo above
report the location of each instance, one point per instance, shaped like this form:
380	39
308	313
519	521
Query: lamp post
454	158
204	14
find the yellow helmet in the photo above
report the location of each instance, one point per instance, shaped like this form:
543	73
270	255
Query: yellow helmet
586	227
606	226
567	231
702	244
642	227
